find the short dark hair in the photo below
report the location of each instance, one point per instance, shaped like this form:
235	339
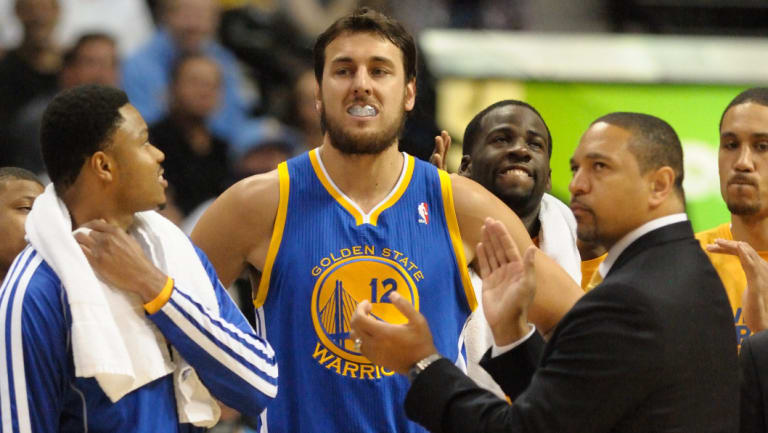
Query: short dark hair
76	124
367	20
758	95
654	143
471	134
17	173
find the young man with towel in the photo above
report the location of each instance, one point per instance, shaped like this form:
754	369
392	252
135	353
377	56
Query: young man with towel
124	325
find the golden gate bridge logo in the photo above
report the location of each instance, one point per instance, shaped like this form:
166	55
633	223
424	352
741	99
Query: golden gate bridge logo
340	289
335	316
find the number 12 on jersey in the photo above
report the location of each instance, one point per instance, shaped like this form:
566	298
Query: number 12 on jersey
389	285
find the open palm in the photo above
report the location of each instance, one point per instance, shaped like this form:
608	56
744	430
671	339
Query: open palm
509	282
755	297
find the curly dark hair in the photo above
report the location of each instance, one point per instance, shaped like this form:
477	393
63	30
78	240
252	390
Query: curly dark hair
76	124
368	20
472	132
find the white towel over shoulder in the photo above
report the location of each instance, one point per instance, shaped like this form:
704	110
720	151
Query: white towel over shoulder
112	339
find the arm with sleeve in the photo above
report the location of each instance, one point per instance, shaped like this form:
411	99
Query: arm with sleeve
237	366
604	349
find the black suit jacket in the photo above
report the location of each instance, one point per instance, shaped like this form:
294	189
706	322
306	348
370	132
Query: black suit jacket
651	349
754	383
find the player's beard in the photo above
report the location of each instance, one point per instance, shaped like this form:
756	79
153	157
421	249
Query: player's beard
743	208
522	201
371	143
588	233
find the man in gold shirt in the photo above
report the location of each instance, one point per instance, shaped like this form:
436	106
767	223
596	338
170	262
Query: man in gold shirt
743	167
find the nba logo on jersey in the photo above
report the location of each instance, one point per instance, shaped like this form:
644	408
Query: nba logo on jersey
423	213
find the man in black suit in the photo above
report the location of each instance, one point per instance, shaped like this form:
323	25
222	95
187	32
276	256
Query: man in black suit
651	349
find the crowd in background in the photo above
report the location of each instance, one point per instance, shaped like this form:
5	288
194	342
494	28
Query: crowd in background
226	86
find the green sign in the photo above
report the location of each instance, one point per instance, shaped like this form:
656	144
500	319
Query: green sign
568	108
693	110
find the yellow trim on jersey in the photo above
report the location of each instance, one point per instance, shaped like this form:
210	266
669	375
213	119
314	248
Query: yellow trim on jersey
458	244
398	192
346	204
360	218
277	235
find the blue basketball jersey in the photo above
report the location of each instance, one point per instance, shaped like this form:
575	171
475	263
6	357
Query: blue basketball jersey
326	255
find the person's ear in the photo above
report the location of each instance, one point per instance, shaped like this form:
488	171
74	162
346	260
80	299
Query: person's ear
661	183
318	101
465	167
102	166
410	95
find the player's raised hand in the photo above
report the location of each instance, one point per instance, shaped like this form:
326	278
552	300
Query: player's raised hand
442	143
755	298
509	283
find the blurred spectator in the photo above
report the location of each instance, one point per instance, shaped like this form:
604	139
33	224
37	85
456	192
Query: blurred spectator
304	116
92	60
263	157
30	69
196	159
270	44
187	28
128	21
314	16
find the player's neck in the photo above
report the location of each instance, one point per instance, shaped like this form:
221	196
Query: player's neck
531	223
529	215
366	179
83	208
750	229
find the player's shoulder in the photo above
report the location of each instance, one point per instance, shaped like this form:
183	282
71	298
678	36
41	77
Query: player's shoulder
241	216
258	194
472	199
466	191
32	281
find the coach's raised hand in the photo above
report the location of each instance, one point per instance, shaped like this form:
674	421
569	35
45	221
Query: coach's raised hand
509	283
396	347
